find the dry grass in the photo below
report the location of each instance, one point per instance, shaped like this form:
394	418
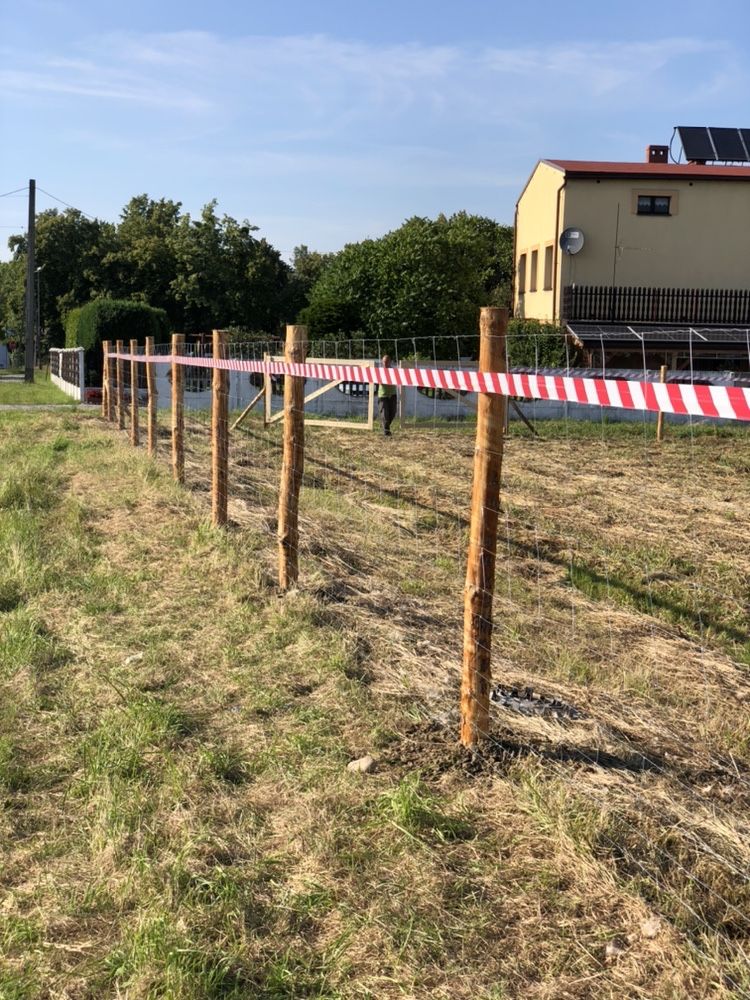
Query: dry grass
178	819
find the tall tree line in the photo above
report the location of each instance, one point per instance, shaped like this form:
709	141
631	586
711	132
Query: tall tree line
426	278
205	272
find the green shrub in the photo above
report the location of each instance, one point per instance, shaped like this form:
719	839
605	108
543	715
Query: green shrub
71	327
535	344
114	319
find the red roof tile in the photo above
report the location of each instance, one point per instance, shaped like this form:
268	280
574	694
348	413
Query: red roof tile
589	168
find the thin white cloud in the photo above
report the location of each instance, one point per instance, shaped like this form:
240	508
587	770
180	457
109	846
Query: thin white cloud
403	166
340	129
100	85
326	79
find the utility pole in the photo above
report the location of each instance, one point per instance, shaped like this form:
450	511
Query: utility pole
30	280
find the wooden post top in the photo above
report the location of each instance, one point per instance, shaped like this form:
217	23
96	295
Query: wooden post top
219	343
296	343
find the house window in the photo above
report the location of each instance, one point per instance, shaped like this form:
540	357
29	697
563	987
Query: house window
654	204
522	274
548	269
532	276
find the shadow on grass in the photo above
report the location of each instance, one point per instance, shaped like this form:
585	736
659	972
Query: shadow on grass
599	587
503	749
582	577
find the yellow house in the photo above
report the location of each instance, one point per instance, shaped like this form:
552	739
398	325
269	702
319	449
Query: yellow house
616	251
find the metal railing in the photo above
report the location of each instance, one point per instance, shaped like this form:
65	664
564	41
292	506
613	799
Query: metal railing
618	304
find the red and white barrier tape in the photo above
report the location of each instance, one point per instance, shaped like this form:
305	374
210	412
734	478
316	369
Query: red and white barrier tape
730	402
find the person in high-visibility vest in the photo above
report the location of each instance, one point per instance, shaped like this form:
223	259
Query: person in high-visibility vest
387	401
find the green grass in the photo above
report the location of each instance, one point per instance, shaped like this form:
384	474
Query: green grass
39	392
176	815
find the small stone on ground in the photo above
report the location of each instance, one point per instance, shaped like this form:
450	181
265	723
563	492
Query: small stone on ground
363	765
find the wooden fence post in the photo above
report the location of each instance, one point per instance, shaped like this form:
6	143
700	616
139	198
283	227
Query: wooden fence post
293	459
135	433
400	391
120	372
476	673
660	417
105	379
178	416
268	394
110	388
219	434
152	395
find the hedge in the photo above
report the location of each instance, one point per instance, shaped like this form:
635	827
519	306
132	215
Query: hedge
71	327
532	343
114	319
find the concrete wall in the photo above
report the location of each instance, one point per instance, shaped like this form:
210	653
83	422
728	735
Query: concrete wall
334	403
415	405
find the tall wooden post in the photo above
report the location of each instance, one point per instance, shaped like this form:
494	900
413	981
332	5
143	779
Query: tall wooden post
111	391
31	277
476	674
178	416
293	459
152	395
219	434
660	418
400	392
135	433
105	379
267	395
120	372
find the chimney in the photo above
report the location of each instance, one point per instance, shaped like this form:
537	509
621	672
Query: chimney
657	154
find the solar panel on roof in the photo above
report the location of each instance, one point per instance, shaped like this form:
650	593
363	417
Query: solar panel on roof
728	144
700	143
696	142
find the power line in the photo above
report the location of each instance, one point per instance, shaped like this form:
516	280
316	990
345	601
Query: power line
75	209
8	193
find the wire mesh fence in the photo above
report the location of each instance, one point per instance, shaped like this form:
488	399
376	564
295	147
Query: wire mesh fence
619	629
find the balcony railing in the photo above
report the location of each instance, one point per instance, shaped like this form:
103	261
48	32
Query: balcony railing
696	306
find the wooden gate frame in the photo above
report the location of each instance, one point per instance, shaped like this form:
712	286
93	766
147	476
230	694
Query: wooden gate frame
272	418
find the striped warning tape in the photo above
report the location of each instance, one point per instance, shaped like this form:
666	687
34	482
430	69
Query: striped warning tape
730	402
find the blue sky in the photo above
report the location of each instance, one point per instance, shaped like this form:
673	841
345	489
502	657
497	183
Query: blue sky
324	122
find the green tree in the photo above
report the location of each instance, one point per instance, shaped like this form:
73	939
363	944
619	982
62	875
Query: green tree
12	287
425	280
224	276
141	264
70	249
307	267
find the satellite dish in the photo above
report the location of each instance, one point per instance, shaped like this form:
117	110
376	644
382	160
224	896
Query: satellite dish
571	240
